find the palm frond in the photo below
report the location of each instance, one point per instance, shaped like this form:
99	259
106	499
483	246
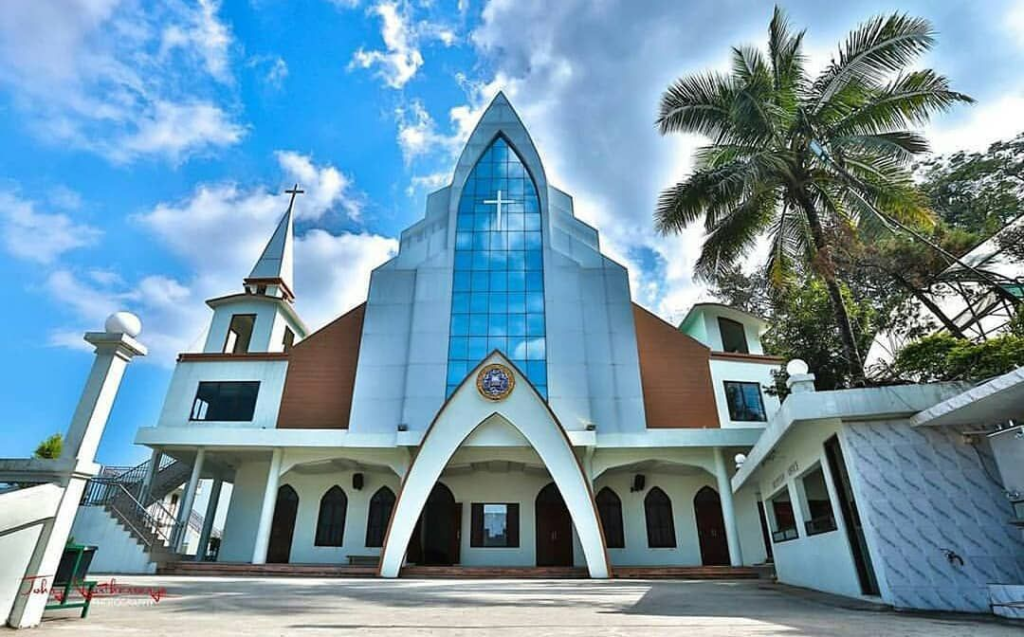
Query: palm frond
876	49
790	246
908	100
714	188
735	234
785	52
697	104
900	145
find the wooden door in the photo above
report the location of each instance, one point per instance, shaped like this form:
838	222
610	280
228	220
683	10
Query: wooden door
283	526
714	547
554	528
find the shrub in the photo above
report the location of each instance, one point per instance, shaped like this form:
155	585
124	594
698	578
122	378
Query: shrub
941	357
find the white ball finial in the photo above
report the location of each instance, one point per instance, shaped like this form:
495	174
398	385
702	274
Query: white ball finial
796	367
123	323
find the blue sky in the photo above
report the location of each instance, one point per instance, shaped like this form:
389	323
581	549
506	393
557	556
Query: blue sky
144	145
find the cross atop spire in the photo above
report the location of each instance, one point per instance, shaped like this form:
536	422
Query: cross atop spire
293	191
275	265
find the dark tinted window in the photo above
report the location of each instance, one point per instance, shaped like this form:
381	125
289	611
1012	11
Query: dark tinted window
785	520
819	506
289	338
734	338
609	507
330	524
381	505
745	402
225	401
661	528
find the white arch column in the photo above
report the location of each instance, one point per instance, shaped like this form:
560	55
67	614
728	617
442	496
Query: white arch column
526	412
732	533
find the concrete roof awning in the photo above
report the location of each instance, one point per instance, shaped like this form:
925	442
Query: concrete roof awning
998	400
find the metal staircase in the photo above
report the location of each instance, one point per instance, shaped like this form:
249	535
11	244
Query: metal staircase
122	493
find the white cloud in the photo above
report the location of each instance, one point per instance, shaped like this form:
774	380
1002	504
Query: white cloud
202	34
333	271
39	236
401	58
326	187
176	130
121	78
403	36
218	233
986	122
430	182
277	73
1014	23
273	68
418	134
64	198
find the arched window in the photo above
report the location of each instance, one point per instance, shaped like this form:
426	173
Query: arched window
330	525
661	530
609	507
381	505
498	278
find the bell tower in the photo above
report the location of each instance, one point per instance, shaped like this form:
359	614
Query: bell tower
262	319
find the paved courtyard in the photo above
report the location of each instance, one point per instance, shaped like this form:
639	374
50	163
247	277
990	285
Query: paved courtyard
201	607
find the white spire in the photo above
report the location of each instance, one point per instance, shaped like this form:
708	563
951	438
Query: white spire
275	265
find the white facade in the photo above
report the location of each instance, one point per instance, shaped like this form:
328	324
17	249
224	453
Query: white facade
402	429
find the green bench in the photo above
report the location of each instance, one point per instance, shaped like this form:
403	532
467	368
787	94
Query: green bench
70	577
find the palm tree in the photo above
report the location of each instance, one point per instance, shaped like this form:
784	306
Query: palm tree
805	162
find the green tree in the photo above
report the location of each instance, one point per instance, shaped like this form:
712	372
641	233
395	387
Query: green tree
977	192
940	357
804	161
50	448
795	330
748	292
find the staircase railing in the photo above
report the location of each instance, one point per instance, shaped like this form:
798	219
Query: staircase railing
135	476
121	492
149	523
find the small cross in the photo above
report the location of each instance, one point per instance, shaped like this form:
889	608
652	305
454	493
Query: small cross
293	191
498	203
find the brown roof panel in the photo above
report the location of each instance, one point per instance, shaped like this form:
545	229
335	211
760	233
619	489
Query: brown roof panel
675	373
321	375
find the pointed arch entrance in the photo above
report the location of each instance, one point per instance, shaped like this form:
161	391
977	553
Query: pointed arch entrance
435	540
707	508
524	410
283	527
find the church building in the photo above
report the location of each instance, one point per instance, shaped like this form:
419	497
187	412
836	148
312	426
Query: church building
498	400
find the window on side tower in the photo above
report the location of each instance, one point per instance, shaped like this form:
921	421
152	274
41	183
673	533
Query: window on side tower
745	401
239	334
734	337
225	401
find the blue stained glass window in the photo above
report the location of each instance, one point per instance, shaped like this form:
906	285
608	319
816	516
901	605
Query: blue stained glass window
499	264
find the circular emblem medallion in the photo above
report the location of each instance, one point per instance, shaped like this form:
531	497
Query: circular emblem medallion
495	382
